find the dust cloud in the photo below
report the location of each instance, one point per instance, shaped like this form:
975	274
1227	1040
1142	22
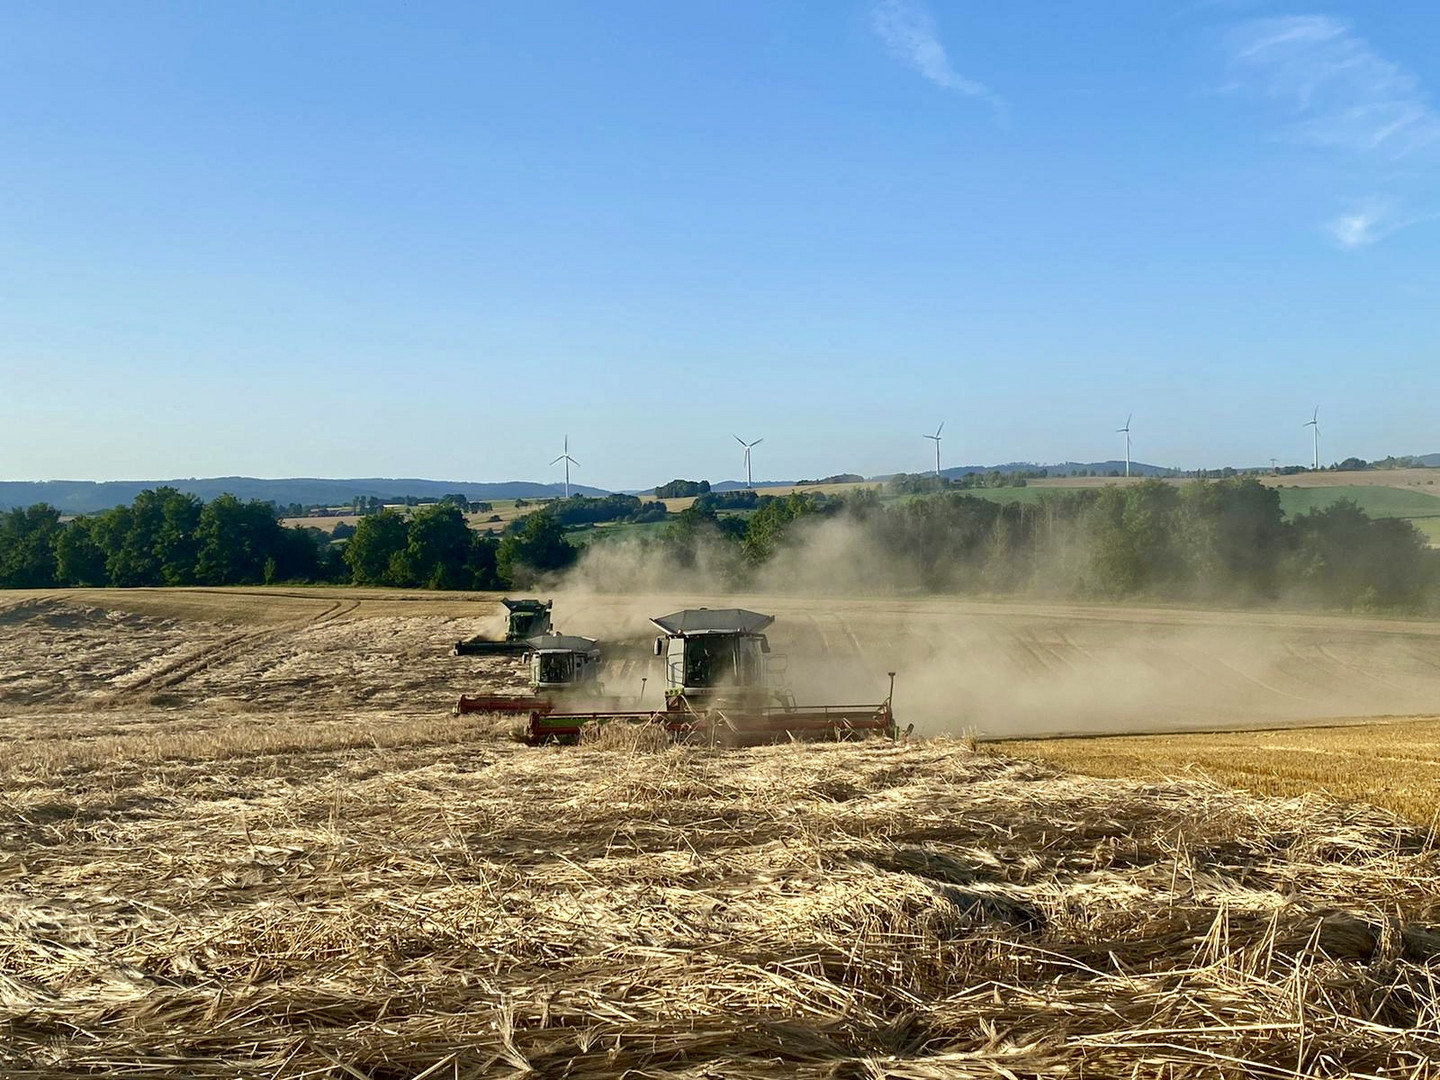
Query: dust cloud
846	616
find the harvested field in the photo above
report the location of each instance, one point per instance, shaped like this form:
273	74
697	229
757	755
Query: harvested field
998	669
1390	763
240	835
417	897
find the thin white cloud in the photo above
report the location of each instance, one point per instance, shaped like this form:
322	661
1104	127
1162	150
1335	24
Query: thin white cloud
909	32
1339	92
1335	92
1370	221
1360	226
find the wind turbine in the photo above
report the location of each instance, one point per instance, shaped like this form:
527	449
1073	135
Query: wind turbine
1126	430
936	437
565	457
1314	423
748	446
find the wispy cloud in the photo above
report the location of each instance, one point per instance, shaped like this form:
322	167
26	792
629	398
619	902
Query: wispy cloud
1370	221
909	32
1361	225
1339	91
1335	92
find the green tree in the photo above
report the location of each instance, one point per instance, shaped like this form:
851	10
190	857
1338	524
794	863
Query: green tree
482	563
535	547
27	547
79	559
176	544
1132	537
1231	535
1342	557
238	543
437	549
769	526
111	532
379	538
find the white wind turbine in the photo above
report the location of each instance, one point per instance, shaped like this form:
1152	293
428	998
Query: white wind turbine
565	457
1126	431
1314	424
748	447
936	437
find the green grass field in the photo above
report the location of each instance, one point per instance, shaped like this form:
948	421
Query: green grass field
1378	502
1430	527
613	533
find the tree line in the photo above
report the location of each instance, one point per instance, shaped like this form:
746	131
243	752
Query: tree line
165	537
1206	541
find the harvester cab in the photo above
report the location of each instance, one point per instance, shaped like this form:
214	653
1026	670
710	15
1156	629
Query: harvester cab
527	619
561	662
714	656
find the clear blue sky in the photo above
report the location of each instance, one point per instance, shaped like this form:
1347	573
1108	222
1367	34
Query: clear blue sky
347	238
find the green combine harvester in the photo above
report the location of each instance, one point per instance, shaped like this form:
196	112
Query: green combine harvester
719	690
527	619
560	665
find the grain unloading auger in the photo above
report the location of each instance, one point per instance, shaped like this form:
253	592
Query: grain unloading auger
718	690
526	619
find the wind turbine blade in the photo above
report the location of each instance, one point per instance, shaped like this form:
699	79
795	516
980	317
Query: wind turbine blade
573	462
939	429
741	441
1127	421
558	460
757	442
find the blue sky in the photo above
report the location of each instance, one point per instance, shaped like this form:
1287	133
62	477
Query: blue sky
345	239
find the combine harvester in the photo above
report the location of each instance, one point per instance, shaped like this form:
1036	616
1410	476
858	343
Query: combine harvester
527	619
718	690
559	664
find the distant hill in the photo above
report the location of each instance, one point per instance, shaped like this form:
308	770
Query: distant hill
1065	468
89	496
740	485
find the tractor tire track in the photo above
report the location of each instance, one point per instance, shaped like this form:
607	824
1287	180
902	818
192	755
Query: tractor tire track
1264	685
224	651
1358	670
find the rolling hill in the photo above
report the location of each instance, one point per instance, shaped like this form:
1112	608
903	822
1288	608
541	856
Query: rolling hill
89	496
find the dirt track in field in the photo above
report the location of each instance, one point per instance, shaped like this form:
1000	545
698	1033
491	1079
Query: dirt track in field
997	669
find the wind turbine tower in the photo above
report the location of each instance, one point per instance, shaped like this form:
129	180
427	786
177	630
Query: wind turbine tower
936	437
1314	425
749	483
568	460
1126	431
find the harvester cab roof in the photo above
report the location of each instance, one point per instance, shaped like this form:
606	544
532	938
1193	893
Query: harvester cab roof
563	661
711	653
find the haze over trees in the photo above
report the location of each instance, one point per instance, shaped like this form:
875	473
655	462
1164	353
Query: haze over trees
1216	541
